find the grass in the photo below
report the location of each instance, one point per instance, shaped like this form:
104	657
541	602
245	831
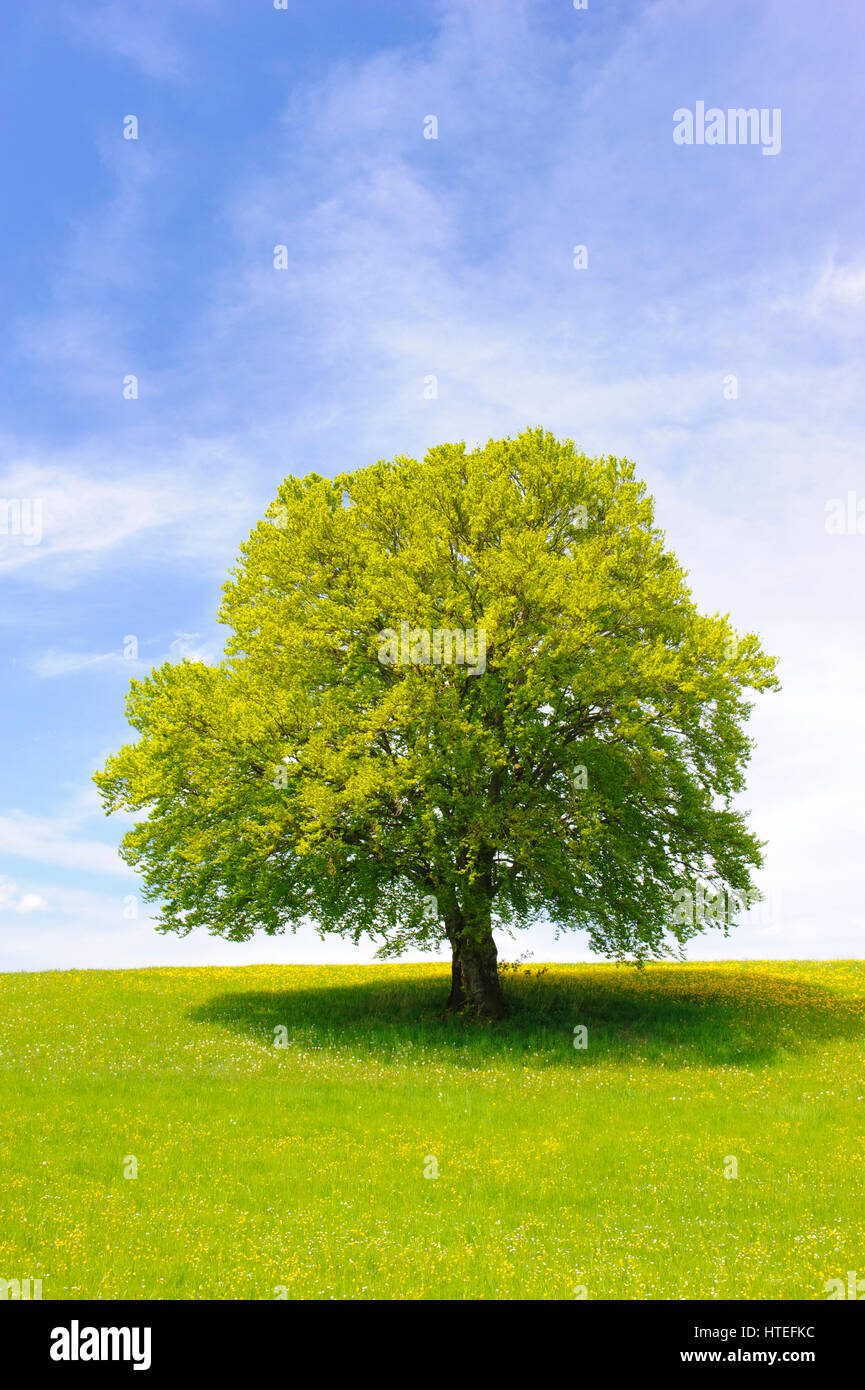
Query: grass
299	1170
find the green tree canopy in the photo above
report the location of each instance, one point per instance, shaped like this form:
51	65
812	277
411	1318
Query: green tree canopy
458	694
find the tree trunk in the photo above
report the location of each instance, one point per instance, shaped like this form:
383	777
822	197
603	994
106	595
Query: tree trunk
457	998
475	984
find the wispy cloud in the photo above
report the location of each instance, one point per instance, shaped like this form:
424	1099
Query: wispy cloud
12	899
53	663
144	36
55	840
145	513
186	646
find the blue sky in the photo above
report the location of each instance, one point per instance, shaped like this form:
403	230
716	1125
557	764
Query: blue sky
410	257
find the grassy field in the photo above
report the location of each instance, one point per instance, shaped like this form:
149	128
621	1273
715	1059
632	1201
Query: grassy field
305	1170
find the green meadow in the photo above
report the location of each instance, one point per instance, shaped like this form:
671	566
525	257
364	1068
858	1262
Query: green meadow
320	1133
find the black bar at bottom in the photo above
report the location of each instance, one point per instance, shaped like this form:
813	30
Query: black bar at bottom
154	1338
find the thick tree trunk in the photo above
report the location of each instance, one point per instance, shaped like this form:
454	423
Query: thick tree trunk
480	974
457	998
475	984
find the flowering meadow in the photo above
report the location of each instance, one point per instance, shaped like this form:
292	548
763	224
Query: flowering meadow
319	1132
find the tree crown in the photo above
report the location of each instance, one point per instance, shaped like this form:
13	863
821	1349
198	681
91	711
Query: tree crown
473	688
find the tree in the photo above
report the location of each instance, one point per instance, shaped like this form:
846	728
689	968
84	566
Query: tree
458	694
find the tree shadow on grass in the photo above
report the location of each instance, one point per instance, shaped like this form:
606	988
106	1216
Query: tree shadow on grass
668	1015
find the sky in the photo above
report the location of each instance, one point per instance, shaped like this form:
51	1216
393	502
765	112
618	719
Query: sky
160	373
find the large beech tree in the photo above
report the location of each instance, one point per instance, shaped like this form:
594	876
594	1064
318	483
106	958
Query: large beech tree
457	694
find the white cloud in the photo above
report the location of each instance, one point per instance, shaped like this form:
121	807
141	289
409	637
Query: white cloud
52	663
54	840
835	293
843	285
145	513
142	35
13	900
187	646
31	902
